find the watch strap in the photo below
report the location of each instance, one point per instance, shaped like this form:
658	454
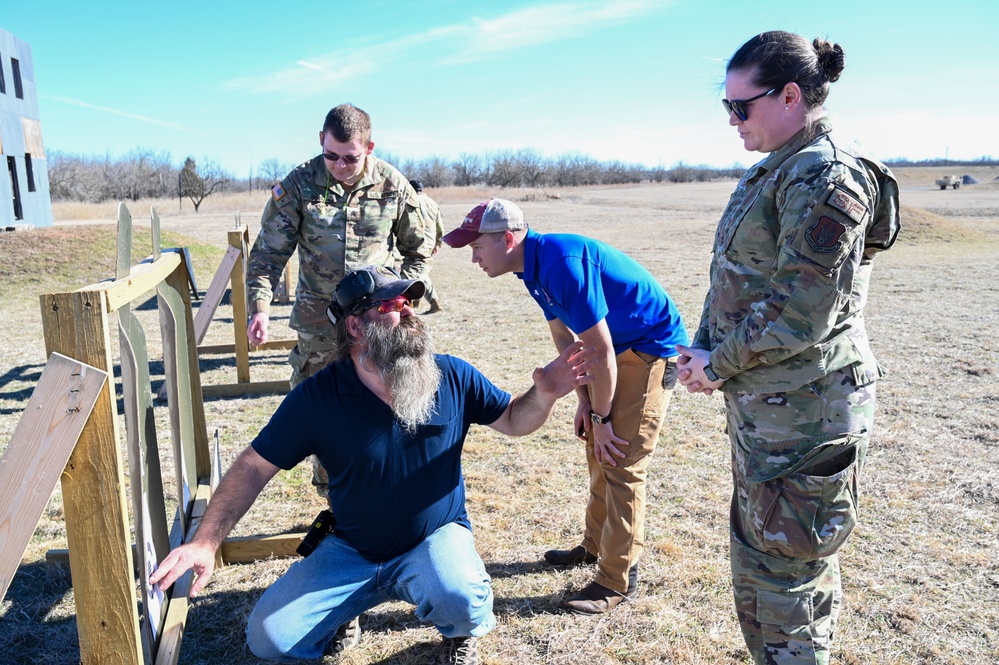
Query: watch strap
598	419
710	373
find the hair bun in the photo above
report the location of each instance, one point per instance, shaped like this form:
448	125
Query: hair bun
832	60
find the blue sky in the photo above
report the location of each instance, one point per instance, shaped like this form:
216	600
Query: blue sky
631	80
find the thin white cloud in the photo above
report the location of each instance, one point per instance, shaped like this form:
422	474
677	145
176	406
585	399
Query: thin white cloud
118	112
460	43
542	24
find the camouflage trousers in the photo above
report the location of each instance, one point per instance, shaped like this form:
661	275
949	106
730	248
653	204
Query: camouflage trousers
796	463
311	354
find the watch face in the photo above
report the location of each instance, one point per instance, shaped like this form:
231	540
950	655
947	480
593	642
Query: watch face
598	419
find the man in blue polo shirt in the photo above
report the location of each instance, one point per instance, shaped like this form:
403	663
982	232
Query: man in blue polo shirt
593	292
388	418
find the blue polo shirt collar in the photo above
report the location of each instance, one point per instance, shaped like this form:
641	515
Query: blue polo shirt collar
531	240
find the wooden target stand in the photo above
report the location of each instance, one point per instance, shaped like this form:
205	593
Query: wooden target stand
72	424
231	274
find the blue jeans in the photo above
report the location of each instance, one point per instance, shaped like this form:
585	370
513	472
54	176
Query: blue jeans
443	577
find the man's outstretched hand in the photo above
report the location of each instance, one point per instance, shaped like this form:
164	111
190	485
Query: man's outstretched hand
567	372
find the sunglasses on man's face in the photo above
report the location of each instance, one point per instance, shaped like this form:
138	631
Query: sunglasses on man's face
394	305
347	159
737	107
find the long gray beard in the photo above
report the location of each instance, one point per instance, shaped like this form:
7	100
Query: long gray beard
404	358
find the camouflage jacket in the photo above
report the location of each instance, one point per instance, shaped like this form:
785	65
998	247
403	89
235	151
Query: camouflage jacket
792	263
433	216
335	232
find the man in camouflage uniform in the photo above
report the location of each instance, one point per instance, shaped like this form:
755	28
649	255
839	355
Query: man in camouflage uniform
782	336
342	210
433	213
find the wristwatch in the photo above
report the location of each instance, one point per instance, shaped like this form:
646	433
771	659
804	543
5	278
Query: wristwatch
710	373
597	419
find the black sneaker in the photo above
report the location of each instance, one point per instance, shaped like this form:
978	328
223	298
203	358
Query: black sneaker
461	650
347	636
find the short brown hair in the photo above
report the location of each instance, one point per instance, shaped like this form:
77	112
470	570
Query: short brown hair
346	122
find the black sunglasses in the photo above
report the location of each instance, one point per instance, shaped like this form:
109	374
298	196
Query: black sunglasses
348	159
738	106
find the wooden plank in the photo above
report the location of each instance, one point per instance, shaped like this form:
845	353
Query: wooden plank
124	263
176	368
143	278
190	272
255	548
154	232
220	349
107	617
32	131
144	471
176	616
215	293
202	452
38	451
239	389
240	238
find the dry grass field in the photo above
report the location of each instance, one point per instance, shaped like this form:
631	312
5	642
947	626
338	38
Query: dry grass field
921	573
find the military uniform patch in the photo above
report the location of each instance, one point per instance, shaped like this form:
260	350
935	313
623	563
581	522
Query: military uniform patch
278	191
847	204
824	235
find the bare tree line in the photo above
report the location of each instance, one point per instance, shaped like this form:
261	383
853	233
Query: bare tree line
144	173
529	168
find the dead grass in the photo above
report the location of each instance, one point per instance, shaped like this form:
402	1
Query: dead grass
921	573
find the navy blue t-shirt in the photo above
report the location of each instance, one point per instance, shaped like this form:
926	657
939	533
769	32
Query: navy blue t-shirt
388	490
580	281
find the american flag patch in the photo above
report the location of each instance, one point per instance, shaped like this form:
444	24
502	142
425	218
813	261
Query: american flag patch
278	192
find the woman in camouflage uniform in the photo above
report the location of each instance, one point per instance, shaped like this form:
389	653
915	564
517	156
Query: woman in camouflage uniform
782	336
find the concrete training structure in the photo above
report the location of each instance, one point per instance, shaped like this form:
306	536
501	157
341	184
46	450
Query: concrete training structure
24	193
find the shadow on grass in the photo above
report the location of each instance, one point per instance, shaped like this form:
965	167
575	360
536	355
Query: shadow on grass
38	624
26	374
216	627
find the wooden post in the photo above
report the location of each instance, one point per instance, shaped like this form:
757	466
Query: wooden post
240	237
100	552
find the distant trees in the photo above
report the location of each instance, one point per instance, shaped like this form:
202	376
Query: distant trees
144	173
468	170
198	184
981	161
272	171
141	173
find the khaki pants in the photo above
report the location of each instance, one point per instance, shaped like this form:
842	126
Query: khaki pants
311	354
615	514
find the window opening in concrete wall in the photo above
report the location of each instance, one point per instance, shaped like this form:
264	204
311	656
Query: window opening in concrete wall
3	84
12	171
29	172
16	67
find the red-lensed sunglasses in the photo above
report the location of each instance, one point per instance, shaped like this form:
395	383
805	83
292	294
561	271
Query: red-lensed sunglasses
394	305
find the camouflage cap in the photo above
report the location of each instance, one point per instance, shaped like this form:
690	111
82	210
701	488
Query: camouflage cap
493	216
365	287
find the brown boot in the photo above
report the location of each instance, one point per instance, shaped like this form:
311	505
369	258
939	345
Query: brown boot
595	598
577	556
